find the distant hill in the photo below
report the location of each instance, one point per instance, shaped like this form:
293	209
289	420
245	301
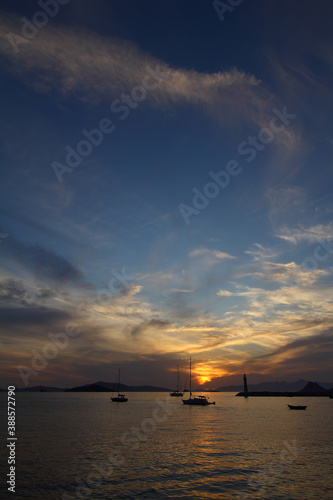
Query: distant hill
101	386
273	386
313	388
88	388
108	387
310	389
39	388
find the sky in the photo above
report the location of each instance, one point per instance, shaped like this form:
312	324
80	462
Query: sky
166	191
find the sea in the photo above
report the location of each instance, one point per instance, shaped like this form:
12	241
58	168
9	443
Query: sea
81	445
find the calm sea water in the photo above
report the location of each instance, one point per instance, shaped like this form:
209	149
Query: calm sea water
81	445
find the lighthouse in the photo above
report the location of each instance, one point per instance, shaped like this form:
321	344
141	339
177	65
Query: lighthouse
245	387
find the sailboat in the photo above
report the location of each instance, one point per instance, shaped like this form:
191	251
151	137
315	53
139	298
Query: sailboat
176	392
121	397
199	400
185	386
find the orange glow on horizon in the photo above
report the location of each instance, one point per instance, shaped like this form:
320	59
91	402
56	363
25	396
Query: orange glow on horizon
203	373
202	379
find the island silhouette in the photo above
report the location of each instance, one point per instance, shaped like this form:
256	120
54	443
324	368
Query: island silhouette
310	389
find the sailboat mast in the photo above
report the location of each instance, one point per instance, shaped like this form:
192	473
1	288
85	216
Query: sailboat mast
190	380
118	380
185	386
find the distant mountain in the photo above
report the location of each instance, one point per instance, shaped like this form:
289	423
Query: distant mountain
313	388
310	389
273	386
108	387
88	388
101	386
132	388
39	388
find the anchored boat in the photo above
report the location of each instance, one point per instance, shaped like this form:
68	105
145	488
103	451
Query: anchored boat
291	407
176	392
199	400
121	398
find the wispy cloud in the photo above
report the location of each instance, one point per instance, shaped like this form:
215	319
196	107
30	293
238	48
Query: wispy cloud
96	69
44	263
212	255
148	326
309	354
261	253
14	291
288	273
283	201
224	293
310	234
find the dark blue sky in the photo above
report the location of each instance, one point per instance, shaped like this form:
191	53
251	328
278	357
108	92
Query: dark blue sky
167	188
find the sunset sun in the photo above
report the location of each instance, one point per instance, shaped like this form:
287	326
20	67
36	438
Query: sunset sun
204	373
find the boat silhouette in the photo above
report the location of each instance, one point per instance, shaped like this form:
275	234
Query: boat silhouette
176	392
121	398
198	400
299	407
